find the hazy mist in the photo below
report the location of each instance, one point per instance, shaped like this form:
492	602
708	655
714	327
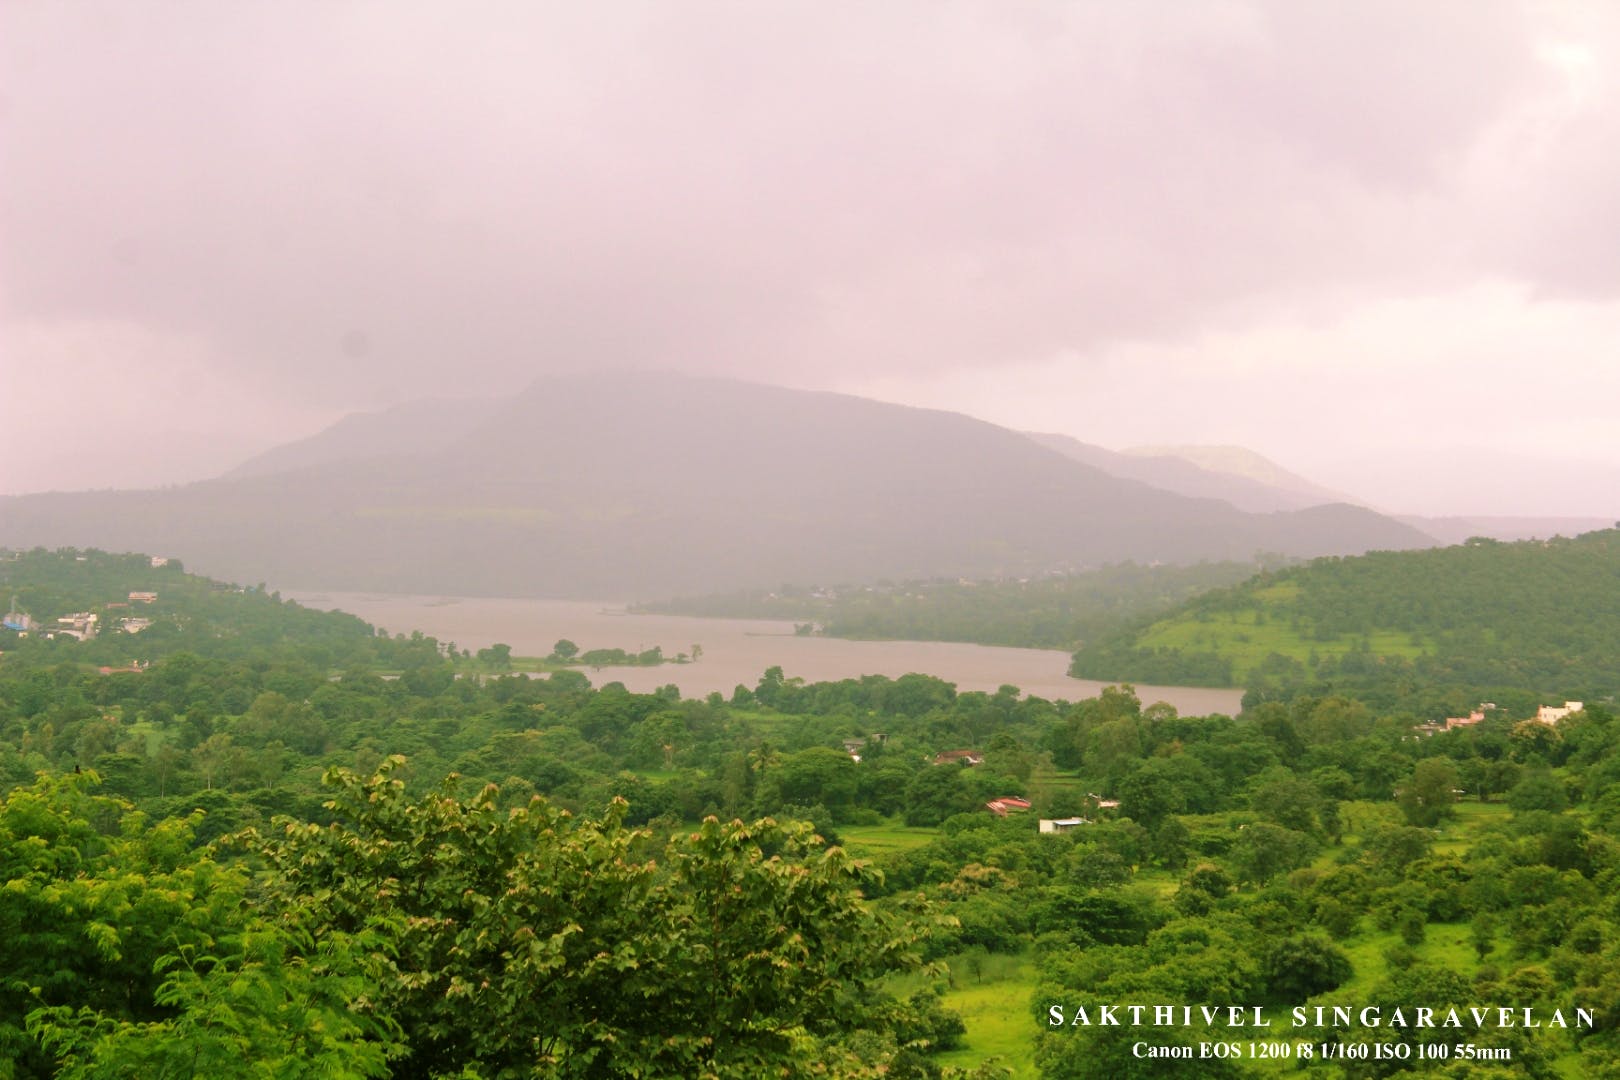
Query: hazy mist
1374	242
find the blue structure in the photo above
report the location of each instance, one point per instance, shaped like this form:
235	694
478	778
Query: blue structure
16	620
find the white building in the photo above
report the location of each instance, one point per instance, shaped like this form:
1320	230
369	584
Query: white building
1551	714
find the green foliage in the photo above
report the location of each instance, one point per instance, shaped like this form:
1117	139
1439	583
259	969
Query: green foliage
1296	968
1539	790
532	940
190	615
406	929
278	1003
1056	612
1262	851
937	792
1420	628
132	954
1427	797
1110	1054
92	897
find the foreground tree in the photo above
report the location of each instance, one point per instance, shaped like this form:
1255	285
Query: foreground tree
127	952
441	937
532	943
270	1002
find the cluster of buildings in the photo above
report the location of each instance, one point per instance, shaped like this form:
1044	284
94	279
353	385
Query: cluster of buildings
1546	714
81	625
1004	805
1009	804
1452	723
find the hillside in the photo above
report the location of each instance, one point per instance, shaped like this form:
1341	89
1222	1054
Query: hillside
1254	483
1542	615
415	429
1241	463
1169	472
1057	611
1455	530
650	485
147	610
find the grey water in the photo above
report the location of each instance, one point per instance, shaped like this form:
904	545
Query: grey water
734	651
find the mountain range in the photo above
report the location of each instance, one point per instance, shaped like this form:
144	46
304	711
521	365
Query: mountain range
1232	474
643	485
1251	482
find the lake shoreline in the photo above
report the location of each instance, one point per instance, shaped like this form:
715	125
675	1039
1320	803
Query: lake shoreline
736	652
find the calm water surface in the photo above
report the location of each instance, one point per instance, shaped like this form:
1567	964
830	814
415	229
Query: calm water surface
735	651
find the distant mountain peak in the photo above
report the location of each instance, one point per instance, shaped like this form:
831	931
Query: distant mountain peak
646	484
1242	462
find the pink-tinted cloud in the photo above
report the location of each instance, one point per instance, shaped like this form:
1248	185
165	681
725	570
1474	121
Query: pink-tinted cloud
346	204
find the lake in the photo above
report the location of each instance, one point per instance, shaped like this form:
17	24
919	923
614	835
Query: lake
735	651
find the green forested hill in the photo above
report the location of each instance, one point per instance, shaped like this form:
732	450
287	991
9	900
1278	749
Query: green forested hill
1056	611
1541	615
186	614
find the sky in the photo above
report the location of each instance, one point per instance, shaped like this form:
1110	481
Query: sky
1377	242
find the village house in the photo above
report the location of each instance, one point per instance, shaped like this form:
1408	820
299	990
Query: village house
1551	714
1060	825
79	624
952	757
853	747
1452	723
1007	804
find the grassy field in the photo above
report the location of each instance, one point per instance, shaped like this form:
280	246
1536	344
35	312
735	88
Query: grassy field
1058	785
868	841
995	1006
1250	635
992	994
1457	835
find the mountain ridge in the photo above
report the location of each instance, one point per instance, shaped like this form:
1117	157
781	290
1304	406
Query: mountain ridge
640	485
1171	472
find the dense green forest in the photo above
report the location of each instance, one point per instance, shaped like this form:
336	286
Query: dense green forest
1429	630
1055	611
351	854
187	613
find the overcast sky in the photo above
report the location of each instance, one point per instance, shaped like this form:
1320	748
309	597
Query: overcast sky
1379	242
